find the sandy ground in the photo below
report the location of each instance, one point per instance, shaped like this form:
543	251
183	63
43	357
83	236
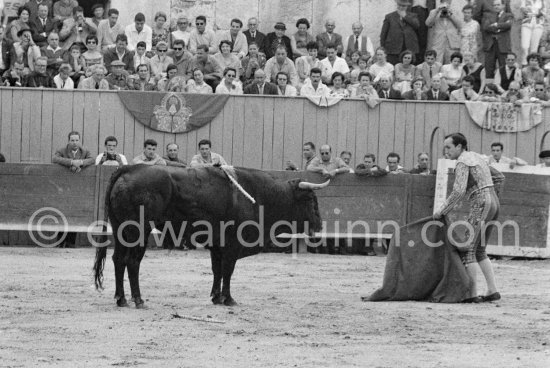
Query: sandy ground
302	312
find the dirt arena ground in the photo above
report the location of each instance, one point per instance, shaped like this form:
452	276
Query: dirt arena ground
302	312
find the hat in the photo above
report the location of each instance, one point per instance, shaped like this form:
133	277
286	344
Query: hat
117	63
21	31
280	25
96	6
544	154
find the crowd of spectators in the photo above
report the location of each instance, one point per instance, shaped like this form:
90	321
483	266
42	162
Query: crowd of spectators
98	52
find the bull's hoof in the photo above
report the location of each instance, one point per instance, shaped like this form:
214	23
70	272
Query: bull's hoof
229	301
139	303
217	299
122	302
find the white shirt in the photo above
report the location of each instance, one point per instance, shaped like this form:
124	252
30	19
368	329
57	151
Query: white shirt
308	90
290	91
206	38
181	35
67	84
111	162
134	37
328	69
222	89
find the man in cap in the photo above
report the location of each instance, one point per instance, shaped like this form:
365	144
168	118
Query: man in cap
276	39
118	78
544	158
399	32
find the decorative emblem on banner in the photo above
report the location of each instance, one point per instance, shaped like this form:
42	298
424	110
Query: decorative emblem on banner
173	114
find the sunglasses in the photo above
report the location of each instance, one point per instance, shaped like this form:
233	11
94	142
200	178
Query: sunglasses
199	24
161	50
91	42
178	48
231	75
539	90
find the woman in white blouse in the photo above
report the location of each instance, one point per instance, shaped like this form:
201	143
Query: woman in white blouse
197	84
228	85
283	88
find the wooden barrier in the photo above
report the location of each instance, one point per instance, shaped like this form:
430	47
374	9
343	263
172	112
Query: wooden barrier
254	131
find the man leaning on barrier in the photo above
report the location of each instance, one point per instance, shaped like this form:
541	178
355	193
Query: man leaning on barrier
110	157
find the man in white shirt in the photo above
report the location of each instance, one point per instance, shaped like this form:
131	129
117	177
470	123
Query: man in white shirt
281	63
63	80
202	36
496	157
240	44
182	33
313	86
108	29
110	157
363	44
332	63
206	157
139	31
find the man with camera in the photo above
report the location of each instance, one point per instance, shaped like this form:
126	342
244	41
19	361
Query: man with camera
445	26
76	29
110	157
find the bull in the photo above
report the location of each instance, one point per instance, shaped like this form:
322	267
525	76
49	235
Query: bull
207	207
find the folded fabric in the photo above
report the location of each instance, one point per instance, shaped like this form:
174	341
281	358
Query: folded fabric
505	117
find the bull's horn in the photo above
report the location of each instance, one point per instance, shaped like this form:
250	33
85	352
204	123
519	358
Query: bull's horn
313	186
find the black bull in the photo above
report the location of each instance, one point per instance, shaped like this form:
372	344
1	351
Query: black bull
161	196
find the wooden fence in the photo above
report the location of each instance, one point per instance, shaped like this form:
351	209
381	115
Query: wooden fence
253	131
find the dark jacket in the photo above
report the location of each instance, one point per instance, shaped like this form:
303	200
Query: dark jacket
441	96
259	39
499	34
394	94
396	31
128	60
39	29
64	156
6	53
271	43
484	7
38	80
269	89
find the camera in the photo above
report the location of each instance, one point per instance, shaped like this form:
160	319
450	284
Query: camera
111	156
445	13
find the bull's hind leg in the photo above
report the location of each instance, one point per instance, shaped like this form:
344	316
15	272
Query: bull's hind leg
228	265
134	260
119	260
216	259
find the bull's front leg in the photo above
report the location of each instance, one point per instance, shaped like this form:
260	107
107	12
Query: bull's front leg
216	259
228	265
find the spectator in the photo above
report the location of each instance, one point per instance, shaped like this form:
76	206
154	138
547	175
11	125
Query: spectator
491	93
206	157
333	63
229	85
393	167
308	153
275	39
476	70
254	36
497	157
53	53
34	5
304	64
532	26
358	42
435	93
93	56
210	68
326	165
386	91
5	46
484	8
470	31
139	55
110	157
160	33
466	93
252	62
13	77
98	11
118	78
260	86
25	50
197	83
539	94
40	77
160	61
313	86
171	157
452	73
508	73
417	92
404	72
513	94
143	80
445	26
533	72
181	33
76	28
97	80
353	82
354	60
346	157
329	37
281	63
301	38
138	31
338	87
422	9
121	52
544	158
380	65
399	32
77	63
2	158
180	56
19	24
496	37
237	40
226	59
201	36
108	30
149	155
283	88
544	50
365	89
369	168
173	82
42	25
423	165
63	79
64	9
429	68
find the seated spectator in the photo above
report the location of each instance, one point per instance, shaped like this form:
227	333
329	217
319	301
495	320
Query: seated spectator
353	82
110	157
281	63
260	86
313	86
300	39
358	42
139	55
513	94
254	36
327	37
64	9
304	64
160	33
353	63
171	157
326	165
404	72
138	31
333	63
108	30
533	72
122	53
252	62
93	55
42	25
173	82
283	88
228	85
544	157
417	92
346	157
118	78
206	157
160	61
16	26
237	40
180	56
76	28
429	68
25	51
380	66
98	11
435	93
508	73
308	153
202	36
386	91
275	39
226	59
452	73
197	83
475	69
538	95
466	93
143	80
149	155
77	63
40	77
210	68
369	168
365	89
97	80
338	88
497	157
13	77
423	165
54	54
63	79
491	93
393	167
181	32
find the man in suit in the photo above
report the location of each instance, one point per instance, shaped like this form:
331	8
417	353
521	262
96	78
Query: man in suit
399	32
42	25
445	26
485	7
422	9
329	37
357	42
34	4
253	35
276	39
54	54
429	68
5	47
76	28
386	91
435	93
260	86
496	37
